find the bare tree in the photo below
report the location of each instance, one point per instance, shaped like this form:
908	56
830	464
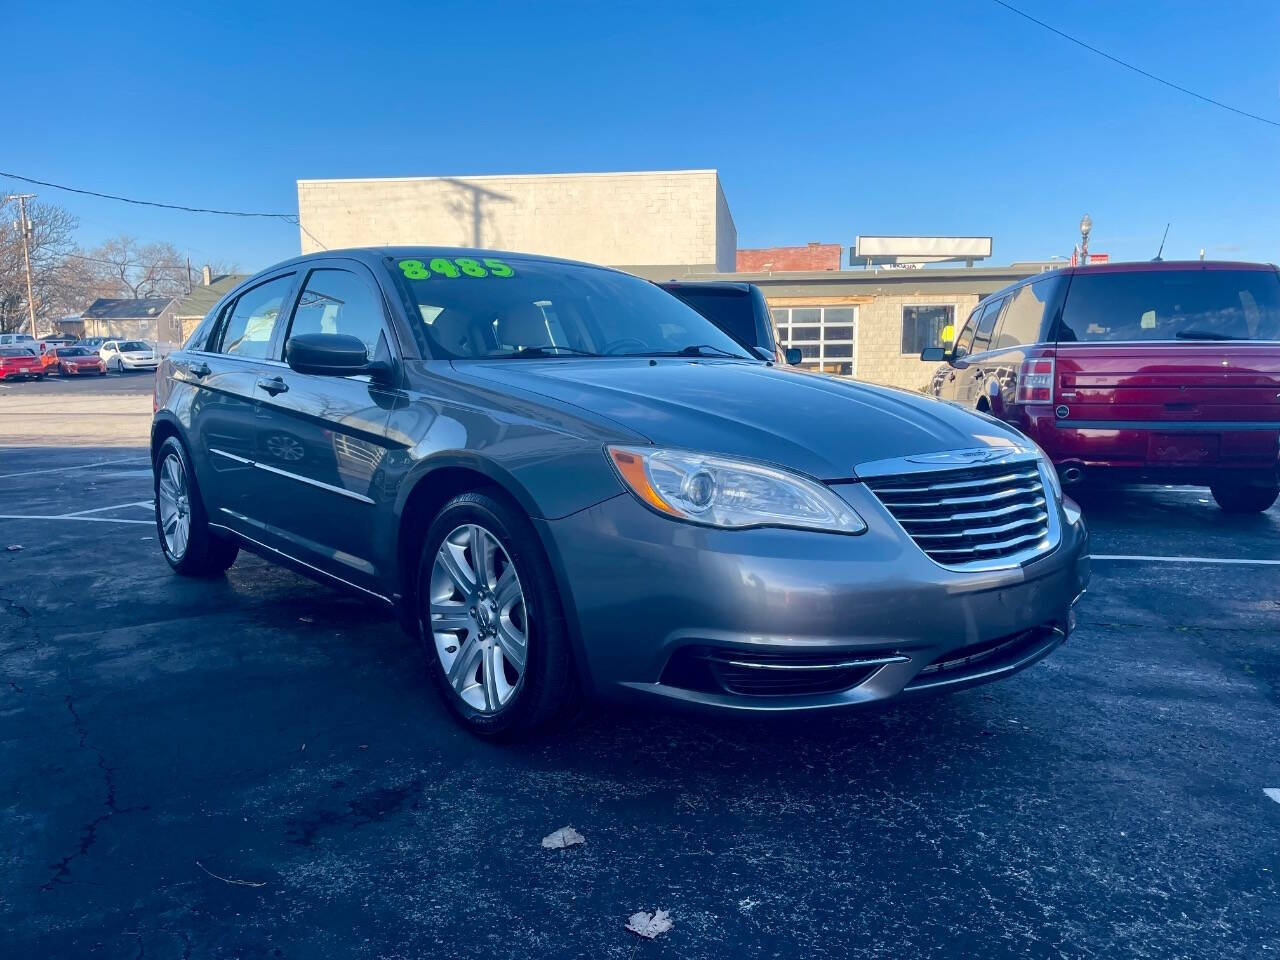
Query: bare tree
133	270
50	243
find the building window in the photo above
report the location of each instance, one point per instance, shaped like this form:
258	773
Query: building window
825	336
923	327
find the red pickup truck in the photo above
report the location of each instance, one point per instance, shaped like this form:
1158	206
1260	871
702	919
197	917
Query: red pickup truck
1161	372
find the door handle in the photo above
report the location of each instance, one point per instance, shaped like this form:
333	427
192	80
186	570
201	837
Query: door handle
273	385
978	374
200	370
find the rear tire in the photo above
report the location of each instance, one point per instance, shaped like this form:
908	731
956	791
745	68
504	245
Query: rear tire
521	701
189	545
1242	498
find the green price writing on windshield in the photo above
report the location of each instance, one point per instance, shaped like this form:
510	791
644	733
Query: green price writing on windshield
456	267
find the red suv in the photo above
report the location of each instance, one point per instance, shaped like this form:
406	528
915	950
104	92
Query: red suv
1160	372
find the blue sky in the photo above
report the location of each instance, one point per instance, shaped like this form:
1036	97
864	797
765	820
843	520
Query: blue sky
825	121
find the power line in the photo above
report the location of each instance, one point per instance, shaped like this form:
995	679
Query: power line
1138	70
147	203
289	218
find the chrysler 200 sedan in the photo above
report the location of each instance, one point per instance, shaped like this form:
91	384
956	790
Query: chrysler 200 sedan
567	482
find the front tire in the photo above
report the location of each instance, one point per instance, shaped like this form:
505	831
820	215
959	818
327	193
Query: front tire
491	619
191	548
1243	498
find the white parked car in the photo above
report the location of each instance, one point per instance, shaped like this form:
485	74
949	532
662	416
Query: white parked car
122	355
24	340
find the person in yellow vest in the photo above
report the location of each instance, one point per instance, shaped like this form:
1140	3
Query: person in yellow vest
948	334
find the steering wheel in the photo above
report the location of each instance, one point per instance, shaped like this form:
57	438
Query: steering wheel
626	341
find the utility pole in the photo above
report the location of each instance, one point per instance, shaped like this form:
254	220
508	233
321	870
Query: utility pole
24	227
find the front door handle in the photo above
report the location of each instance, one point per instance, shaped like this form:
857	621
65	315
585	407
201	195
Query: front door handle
273	385
978	374
200	370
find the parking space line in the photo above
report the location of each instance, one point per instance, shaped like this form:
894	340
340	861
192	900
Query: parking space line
19	516
119	506
1232	560
82	466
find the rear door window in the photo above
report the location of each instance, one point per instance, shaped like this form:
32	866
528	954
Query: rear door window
987	323
250	322
1194	304
1027	318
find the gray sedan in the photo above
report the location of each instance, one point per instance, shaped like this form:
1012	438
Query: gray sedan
568	483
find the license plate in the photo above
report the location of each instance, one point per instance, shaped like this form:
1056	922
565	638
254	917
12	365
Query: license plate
1183	447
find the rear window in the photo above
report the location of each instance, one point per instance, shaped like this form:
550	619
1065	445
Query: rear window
1172	305
731	310
14	352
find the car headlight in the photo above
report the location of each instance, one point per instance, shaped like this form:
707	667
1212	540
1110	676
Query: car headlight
732	494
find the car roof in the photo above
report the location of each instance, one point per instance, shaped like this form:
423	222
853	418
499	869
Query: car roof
1132	266
376	256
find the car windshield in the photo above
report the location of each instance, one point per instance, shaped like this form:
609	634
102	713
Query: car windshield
72	352
1192	304
130	346
517	308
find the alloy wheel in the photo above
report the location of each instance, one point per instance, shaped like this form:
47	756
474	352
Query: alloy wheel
175	506
479	618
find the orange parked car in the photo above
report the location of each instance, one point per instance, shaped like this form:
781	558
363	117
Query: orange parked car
73	360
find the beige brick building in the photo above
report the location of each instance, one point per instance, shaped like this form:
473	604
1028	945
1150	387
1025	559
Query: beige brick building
865	323
872	324
665	220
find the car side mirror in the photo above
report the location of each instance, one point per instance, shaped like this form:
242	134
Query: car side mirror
934	354
329	355
793	356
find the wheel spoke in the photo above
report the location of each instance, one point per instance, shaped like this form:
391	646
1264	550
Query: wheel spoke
507	590
513	643
450	617
462	671
449	556
490	670
481	554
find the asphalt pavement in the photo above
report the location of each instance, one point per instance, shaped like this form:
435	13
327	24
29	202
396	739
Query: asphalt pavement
256	766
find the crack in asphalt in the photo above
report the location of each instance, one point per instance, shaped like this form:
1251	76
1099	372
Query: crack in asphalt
89	832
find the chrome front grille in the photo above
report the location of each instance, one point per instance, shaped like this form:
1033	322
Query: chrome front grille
973	517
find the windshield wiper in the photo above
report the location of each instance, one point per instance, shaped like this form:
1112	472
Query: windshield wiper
694	350
1193	334
546	351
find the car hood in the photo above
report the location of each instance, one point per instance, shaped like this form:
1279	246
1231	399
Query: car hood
812	423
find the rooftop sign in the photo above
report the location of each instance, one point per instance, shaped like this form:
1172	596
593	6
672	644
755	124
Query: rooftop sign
881	251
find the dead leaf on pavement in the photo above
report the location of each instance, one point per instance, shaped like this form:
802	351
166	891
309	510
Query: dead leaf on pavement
564	837
649	925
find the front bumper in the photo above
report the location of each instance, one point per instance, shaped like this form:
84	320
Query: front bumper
666	610
128	364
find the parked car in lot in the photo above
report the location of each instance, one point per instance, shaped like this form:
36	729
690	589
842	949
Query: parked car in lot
1163	372
73	360
122	355
18	363
738	309
24	340
567	481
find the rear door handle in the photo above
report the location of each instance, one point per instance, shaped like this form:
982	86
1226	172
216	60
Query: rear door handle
273	385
